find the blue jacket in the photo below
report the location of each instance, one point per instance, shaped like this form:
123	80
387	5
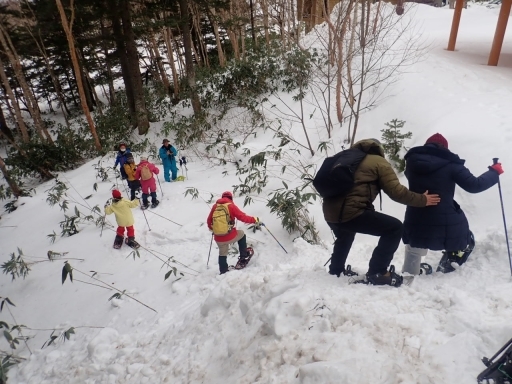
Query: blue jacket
168	160
121	159
444	226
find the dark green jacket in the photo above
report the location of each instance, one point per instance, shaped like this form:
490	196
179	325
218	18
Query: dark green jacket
373	174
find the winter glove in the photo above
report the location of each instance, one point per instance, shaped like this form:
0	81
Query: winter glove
109	201
497	167
258	224
138	193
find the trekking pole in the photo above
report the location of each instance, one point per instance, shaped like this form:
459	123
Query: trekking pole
274	237
495	161
327	261
163	217
158	178
144	213
210	251
109	201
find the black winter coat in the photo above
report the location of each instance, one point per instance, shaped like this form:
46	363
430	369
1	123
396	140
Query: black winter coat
444	226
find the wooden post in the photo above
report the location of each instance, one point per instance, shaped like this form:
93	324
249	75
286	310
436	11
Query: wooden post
459	4
501	27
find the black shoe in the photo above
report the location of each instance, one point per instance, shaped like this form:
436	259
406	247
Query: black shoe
388	278
155	204
445	265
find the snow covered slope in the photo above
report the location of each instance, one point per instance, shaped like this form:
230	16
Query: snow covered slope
283	319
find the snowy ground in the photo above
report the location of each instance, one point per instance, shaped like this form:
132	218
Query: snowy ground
283	319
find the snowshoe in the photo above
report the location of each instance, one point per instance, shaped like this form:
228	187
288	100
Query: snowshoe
155	204
130	241
345	271
144	206
391	278
243	261
349	272
118	242
425	269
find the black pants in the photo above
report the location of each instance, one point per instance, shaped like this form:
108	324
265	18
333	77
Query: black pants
134	186
370	223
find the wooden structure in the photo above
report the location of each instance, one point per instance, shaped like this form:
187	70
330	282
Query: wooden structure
499	34
312	12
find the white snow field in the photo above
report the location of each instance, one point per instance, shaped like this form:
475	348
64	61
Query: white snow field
283	319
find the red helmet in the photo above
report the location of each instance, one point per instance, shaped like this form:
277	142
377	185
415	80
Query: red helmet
227	194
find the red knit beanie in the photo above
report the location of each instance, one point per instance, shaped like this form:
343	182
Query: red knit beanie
116	194
437	139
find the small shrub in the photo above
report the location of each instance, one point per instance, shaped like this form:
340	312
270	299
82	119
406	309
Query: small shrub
16	266
393	142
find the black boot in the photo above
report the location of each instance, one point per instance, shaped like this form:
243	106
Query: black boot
154	201
223	264
445	264
145	203
388	278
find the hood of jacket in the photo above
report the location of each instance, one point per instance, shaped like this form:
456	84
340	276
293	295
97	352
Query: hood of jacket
370	147
429	158
224	200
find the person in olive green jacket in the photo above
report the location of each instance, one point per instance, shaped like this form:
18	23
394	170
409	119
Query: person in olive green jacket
354	213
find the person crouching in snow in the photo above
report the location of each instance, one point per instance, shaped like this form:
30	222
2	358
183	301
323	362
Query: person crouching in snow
443	227
130	168
221	221
144	173
122	209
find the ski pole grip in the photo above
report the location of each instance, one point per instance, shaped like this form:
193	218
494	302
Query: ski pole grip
495	160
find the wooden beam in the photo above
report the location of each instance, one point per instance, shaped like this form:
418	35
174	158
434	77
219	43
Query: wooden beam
501	27
459	4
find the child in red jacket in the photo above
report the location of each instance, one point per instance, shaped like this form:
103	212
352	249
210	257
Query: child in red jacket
145	171
221	221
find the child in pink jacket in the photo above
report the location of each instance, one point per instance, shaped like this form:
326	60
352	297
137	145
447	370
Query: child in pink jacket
144	173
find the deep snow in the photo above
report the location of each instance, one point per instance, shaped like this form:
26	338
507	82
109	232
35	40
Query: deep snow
283	319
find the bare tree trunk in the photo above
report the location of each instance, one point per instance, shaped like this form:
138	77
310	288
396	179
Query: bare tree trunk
159	63
69	35
17	111
196	17
350	56
32	104
264	10
187	43
3	126
253	28
16	190
134	68
111	88
376	20
212	16
172	63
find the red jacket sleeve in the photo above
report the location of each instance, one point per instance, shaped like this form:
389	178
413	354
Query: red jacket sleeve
154	169
137	173
236	213
209	220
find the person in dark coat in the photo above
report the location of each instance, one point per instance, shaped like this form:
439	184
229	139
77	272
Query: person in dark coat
354	213
444	226
122	156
